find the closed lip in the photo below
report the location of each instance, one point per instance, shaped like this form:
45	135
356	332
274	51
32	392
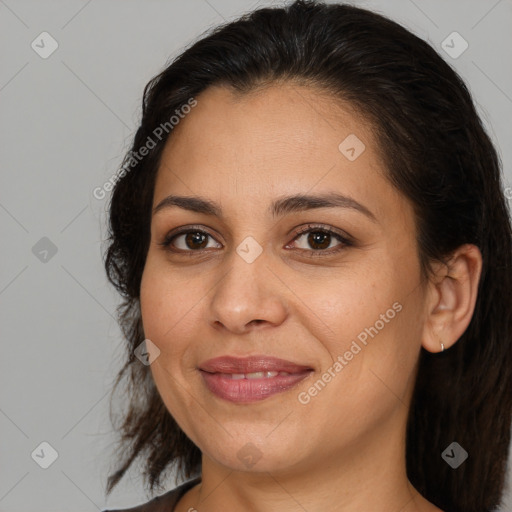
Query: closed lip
251	364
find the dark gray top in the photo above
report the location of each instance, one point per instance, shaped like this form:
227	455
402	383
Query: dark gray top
164	503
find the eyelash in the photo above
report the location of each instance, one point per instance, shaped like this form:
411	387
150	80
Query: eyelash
310	228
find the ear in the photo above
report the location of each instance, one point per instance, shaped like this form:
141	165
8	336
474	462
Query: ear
451	298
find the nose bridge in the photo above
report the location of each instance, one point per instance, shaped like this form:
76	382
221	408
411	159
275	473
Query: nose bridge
247	291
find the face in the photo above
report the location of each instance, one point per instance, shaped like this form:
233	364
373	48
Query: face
314	306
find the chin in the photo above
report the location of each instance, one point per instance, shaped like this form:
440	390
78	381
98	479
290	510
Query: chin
255	454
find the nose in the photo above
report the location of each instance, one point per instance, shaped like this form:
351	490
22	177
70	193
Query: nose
248	296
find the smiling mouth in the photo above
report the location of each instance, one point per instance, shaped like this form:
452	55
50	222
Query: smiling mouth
254	375
251	379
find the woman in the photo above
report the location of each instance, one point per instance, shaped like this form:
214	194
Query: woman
314	249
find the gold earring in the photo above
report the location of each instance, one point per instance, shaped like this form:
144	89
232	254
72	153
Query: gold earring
442	347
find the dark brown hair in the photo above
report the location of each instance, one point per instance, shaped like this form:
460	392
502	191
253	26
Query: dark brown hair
437	154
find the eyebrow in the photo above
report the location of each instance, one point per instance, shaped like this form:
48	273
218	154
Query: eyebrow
280	207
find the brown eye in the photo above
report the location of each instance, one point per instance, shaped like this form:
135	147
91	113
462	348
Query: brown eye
196	240
319	240
192	240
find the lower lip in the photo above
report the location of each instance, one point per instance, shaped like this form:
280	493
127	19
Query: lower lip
250	390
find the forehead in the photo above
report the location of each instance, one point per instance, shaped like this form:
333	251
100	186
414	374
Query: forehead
283	117
281	139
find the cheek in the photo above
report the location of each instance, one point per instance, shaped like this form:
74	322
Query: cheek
369	318
347	305
372	338
167	307
167	316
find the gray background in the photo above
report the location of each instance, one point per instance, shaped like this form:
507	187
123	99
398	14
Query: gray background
66	122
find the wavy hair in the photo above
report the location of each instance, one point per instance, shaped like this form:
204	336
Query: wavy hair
437	154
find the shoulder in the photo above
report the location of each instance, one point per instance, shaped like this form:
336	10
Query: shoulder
162	503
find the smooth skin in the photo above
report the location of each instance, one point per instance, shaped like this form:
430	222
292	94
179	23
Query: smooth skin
303	299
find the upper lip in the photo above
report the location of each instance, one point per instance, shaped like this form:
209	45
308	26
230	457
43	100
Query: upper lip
251	364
